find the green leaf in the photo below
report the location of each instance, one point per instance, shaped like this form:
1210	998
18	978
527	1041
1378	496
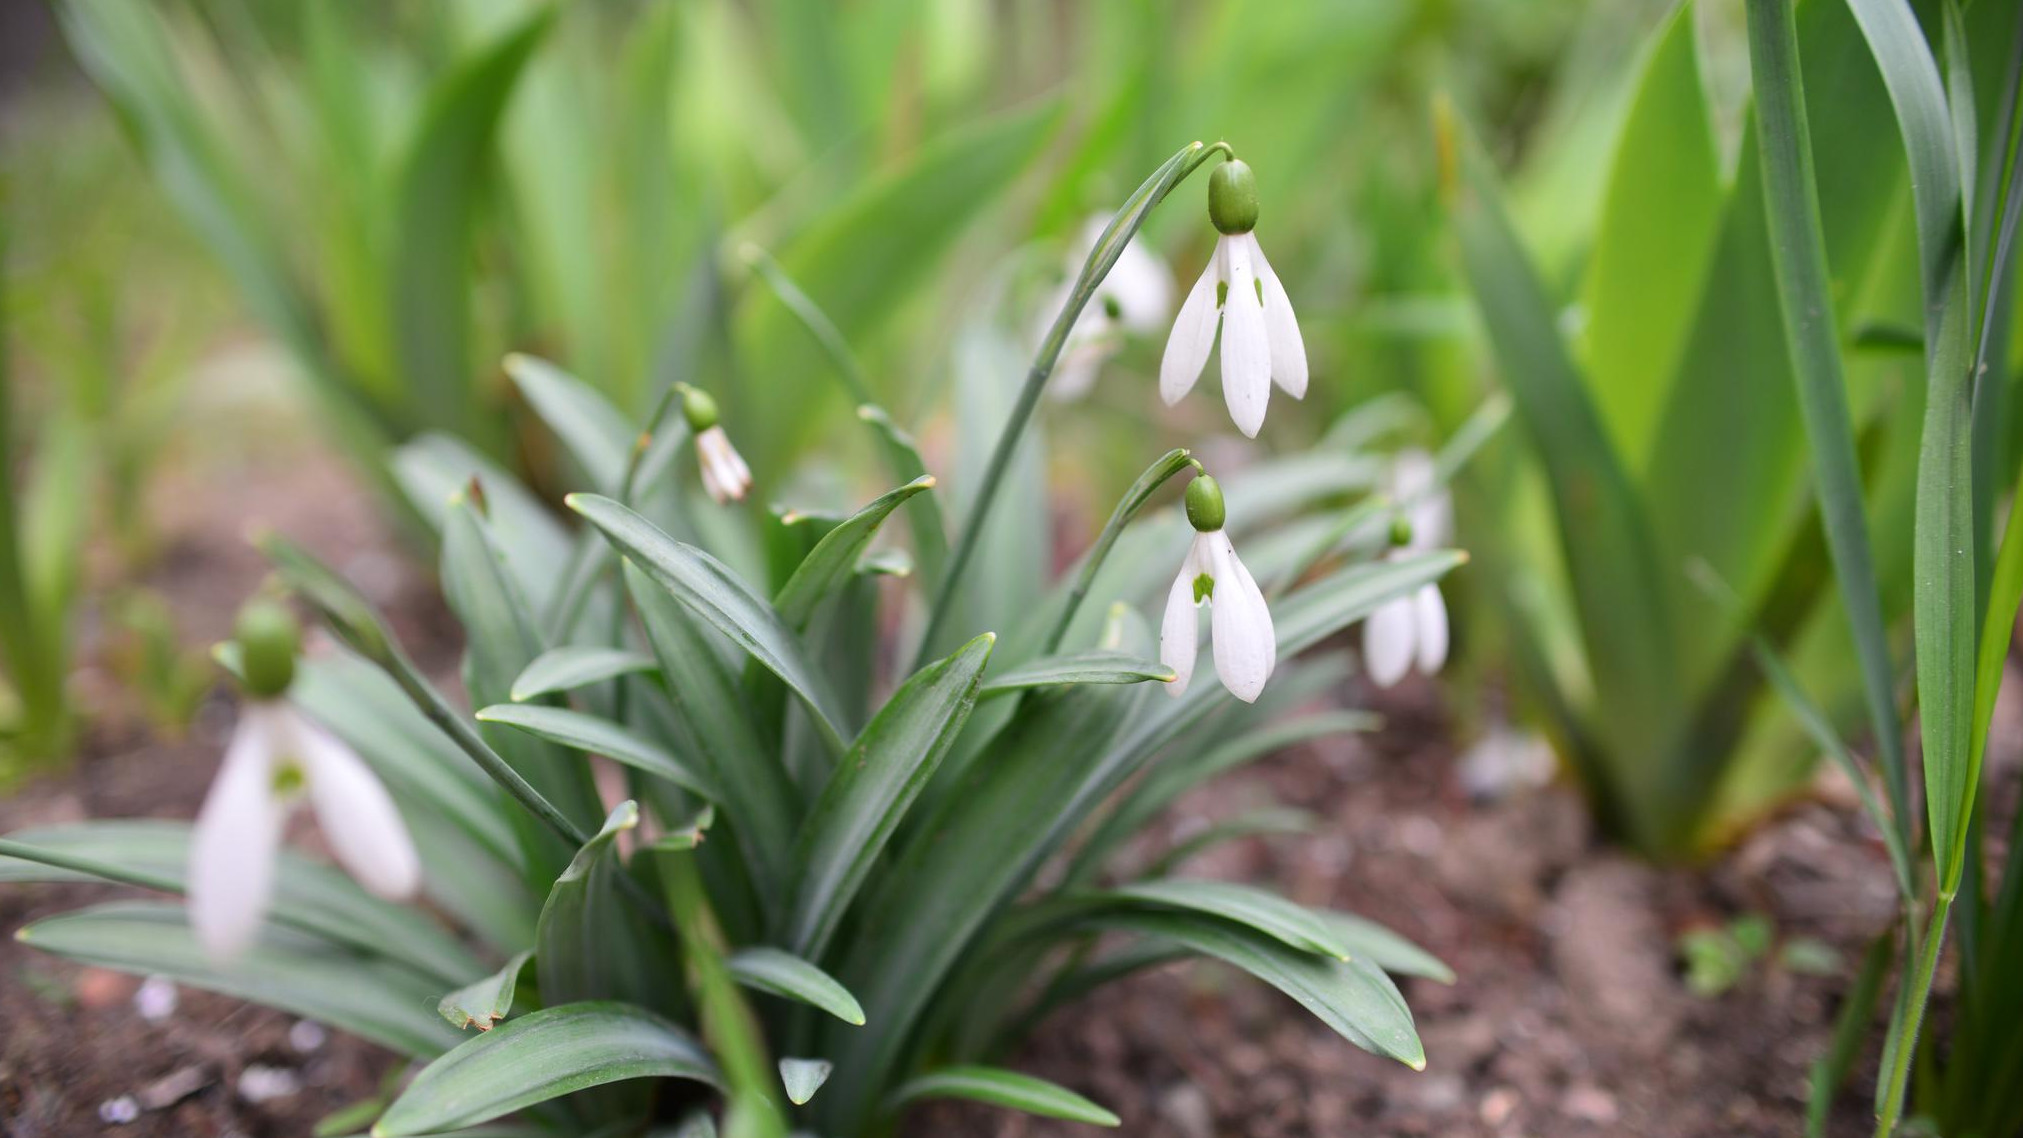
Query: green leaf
781	973
590	943
1643	284
484	1003
575	666
308	896
1368	940
592	430
298	973
1079	668
872	788
1604	532
708	588
834	559
923	511
714	723
1004	1088
599	736
1249	824
434	469
803	1077
441	174
1353	997
1268	913
1798	252
542	1056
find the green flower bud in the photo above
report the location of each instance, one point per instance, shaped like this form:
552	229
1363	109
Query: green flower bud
268	639
1401	531
1205	511
1232	197
698	408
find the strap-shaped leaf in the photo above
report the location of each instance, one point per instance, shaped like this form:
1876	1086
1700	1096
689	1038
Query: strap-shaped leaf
486	1002
1079	668
873	786
803	1077
1368	940
442	168
308	896
296	972
923	512
781	973
575	666
592	430
709	588
597	735
590	943
433	468
1353	997
1268	913
1010	1089
715	724
537	1057
834	558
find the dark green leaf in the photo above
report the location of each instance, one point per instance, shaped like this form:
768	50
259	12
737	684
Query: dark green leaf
1080	668
803	1077
537	1057
834	559
1268	913
598	736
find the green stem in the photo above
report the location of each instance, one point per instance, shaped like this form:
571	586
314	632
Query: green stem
1171	463
729	1025
1108	248
1897	1078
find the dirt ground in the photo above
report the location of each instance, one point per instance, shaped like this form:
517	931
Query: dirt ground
1570	1014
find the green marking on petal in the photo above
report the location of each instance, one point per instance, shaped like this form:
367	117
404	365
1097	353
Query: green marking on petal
1204	587
288	779
1258	284
1221	293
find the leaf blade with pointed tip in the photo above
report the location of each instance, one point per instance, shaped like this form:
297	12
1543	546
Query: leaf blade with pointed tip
586	423
710	589
1078	668
594	734
781	973
484	1003
575	666
1007	1089
834	559
541	1056
803	1077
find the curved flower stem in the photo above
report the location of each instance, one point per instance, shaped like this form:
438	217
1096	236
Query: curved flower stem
1134	499
1108	248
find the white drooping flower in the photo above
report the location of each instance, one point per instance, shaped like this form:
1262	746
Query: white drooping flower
1412	629
1245	646
276	760
1135	298
1239	292
724	474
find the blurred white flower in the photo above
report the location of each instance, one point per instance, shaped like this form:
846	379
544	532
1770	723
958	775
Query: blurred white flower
724	473
155	999
1239	292
1135	298
1412	629
277	757
1245	645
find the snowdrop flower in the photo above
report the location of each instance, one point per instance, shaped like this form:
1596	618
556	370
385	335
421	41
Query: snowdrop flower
277	759
1412	629
724	473
1260	337
1246	649
1135	297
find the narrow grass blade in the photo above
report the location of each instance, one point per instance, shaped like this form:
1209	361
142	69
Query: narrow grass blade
1079	668
575	666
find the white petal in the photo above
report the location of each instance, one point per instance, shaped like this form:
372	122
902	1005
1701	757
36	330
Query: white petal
1430	616
1246	347
1076	373
1180	629
1142	287
1288	348
1387	642
231	874
1193	335
358	817
1246	647
1414	478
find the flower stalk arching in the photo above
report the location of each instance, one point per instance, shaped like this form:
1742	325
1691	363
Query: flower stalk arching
1134	499
1122	228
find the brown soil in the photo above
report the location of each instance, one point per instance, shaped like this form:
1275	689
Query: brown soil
1569	1015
